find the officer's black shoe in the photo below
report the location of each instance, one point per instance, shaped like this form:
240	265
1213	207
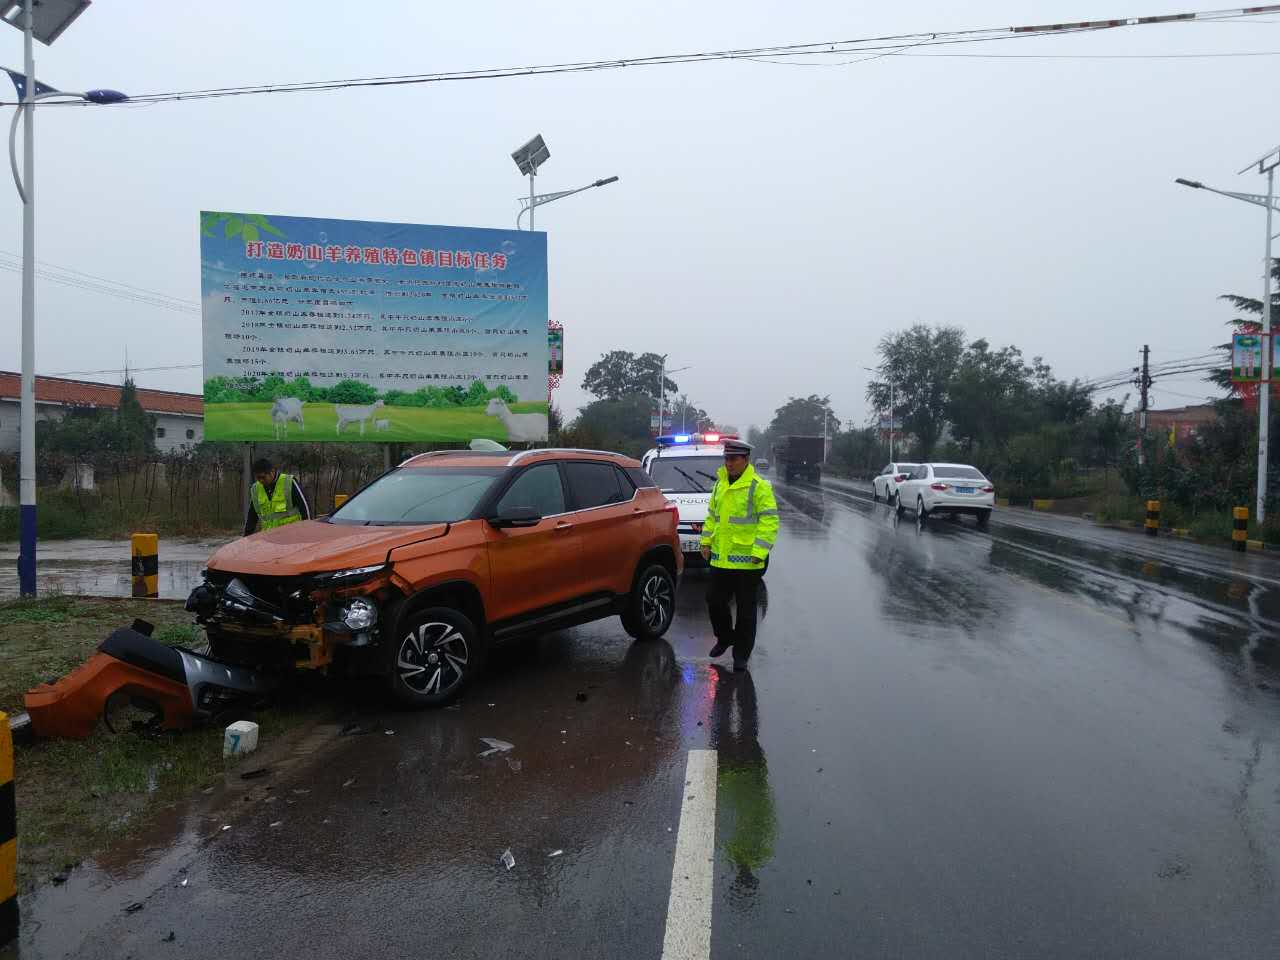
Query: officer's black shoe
739	665
719	649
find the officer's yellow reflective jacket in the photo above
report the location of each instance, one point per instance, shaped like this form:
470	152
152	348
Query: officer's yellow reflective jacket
742	521
279	508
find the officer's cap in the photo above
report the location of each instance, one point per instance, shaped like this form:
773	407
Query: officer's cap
737	447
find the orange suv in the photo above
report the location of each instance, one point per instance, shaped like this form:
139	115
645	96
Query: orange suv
416	575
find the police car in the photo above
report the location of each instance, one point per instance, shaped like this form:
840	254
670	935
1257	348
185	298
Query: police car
684	466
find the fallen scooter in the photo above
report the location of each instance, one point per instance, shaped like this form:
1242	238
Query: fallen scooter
177	687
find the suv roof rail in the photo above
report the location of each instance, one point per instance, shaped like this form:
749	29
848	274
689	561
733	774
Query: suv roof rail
449	453
525	453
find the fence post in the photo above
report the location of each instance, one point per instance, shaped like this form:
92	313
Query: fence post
145	548
8	837
1152	522
1240	528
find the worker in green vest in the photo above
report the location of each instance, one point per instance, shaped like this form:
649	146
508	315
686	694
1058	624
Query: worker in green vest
274	499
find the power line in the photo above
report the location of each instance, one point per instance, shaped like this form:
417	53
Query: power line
893	45
94	276
86	373
159	300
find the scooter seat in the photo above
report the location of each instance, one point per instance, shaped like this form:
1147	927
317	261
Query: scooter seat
141	651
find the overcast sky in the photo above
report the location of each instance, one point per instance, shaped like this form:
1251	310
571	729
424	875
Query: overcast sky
772	222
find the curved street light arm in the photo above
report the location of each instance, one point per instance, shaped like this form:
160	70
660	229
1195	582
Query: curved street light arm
13	132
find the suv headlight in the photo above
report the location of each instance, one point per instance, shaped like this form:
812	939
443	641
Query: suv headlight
359	615
349	575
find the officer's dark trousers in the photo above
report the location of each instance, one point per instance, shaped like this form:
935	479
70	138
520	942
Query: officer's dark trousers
744	586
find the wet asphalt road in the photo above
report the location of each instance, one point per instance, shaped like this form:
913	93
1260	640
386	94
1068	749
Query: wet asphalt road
1044	740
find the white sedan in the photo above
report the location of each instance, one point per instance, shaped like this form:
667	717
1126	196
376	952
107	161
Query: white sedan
947	488
886	484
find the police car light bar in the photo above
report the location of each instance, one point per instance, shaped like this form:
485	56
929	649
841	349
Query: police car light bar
673	439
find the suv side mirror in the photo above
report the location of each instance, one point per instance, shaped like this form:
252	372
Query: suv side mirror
515	516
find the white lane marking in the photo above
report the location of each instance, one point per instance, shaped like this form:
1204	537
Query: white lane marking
688	935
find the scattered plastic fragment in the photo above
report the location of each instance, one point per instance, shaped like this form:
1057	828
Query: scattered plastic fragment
555	853
389	733
133	907
496	746
185	881
508	860
170	938
349	783
226	827
275	823
352	730
254	774
301	790
582	697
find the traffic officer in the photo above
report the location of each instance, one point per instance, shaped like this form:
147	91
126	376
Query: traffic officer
739	532
274	499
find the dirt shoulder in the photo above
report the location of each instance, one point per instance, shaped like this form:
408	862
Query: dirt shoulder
76	796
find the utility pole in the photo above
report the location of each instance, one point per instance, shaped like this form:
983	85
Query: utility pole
1143	383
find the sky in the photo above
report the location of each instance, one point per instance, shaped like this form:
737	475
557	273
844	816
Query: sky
771	222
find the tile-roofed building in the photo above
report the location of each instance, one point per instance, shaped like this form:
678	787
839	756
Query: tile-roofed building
179	416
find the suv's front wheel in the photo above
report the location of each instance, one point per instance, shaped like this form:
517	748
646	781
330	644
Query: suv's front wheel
652	603
432	656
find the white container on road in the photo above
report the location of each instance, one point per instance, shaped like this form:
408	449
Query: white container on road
240	738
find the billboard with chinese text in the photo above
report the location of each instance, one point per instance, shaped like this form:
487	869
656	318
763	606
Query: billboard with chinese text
351	330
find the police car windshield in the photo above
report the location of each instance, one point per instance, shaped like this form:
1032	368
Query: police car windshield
685	474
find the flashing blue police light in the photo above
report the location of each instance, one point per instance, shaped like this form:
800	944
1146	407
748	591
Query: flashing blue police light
671	439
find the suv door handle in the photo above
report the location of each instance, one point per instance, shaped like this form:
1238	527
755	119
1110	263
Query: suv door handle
564	525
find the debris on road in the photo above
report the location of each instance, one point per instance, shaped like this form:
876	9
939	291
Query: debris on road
170	938
275	823
515	765
348	783
240	738
508	860
496	746
352	730
133	907
226	827
389	733
582	697
254	774
185	881
554	853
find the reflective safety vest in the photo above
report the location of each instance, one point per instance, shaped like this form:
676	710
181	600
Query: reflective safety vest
742	521
278	509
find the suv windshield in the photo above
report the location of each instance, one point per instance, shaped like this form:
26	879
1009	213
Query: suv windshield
685	474
419	495
957	473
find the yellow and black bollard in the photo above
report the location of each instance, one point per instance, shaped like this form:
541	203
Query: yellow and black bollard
1240	528
8	837
146	565
1153	518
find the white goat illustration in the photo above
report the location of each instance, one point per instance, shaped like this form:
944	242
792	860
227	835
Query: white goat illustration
381	425
350	414
520	426
282	411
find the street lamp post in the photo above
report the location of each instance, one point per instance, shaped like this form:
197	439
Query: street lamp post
537	200
529	158
1266	164
45	23
662	388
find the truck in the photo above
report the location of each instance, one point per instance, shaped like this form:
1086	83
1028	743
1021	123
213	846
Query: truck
799	458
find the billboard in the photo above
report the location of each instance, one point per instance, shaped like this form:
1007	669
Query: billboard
1246	357
352	330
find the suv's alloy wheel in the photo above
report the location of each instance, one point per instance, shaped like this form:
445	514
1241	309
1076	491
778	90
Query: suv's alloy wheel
436	651
652	604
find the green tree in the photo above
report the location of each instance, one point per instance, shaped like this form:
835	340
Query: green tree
920	363
135	434
621	373
621	425
990	395
803	416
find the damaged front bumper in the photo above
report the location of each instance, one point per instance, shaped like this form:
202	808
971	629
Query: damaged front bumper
291	621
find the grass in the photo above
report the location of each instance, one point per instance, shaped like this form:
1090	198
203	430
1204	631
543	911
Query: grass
77	796
252	422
